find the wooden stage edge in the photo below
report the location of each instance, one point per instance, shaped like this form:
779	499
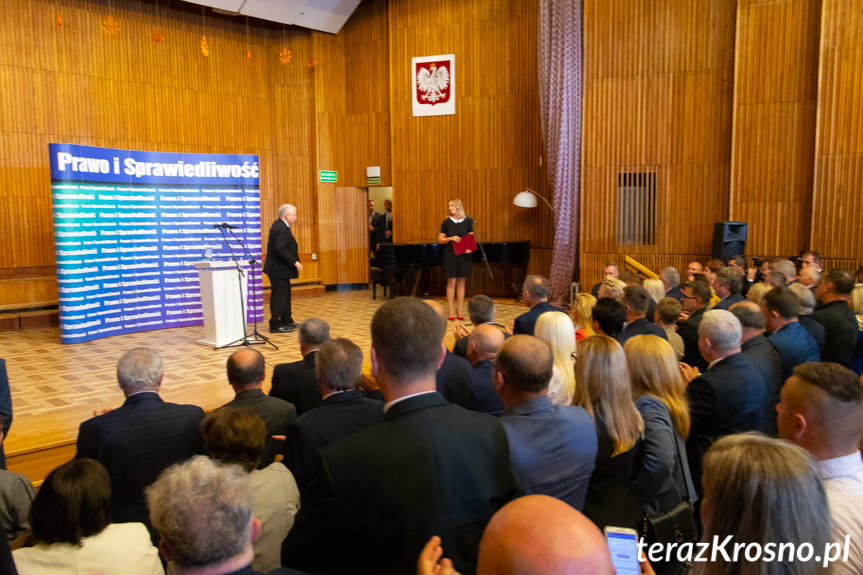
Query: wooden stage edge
55	386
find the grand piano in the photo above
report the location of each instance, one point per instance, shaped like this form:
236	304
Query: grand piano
396	264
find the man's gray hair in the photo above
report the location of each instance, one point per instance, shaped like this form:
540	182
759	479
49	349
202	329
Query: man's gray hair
481	309
140	369
202	510
536	286
285	208
806	297
670	276
339	364
786	268
314	331
721	328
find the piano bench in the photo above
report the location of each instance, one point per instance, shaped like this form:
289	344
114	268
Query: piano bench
377	276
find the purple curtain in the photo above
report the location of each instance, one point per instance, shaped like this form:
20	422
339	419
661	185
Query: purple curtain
560	92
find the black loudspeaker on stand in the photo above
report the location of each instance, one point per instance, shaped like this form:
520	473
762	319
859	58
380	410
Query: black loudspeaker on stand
729	239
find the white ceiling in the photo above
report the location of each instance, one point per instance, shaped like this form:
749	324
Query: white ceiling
324	15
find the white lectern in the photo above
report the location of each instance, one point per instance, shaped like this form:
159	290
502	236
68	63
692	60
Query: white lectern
220	299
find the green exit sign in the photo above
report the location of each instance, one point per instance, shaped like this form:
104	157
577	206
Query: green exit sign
329	176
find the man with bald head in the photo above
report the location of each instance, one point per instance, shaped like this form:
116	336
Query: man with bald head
282	265
821	410
539	535
482	346
553	448
246	376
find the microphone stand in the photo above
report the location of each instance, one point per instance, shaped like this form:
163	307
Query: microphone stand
258	337
245	340
481	249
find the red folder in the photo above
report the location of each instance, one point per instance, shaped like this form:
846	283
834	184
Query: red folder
467	243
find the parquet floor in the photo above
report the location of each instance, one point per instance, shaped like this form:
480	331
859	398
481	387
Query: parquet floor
55	387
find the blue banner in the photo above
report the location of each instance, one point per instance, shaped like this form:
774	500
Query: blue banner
129	227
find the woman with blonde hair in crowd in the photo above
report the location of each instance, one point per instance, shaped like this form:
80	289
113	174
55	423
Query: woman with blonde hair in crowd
761	490
655	288
857	306
582	315
601	371
663	480
556	330
757	292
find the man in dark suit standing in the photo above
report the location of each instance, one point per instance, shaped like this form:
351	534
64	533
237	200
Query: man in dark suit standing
385	224
635	301
137	441
833	312
760	353
553	448
295	382
344	409
5	408
730	397
696	296
430	468
535	294
728	284
482	346
246	376
781	307
282	265
374	218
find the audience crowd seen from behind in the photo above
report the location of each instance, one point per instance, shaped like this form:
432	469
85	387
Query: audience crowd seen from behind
726	405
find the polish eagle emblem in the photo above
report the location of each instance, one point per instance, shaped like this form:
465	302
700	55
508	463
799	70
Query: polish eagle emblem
433	82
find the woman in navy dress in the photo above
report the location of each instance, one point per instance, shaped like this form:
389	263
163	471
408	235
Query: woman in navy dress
455	268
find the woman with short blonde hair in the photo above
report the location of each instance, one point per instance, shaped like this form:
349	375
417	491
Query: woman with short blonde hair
601	370
556	330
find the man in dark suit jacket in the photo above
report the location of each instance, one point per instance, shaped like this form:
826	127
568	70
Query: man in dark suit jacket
696	296
730	397
374	218
430	468
728	284
635	302
794	344
343	410
453	379
535	294
385	224
282	265
137	441
246	376
5	408
483	344
480	308
761	354
671	281
833	312
295	382
553	448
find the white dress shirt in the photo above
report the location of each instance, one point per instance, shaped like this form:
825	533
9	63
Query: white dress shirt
843	482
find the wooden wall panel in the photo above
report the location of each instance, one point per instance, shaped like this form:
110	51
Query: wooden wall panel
491	148
72	83
776	79
658	95
837	222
